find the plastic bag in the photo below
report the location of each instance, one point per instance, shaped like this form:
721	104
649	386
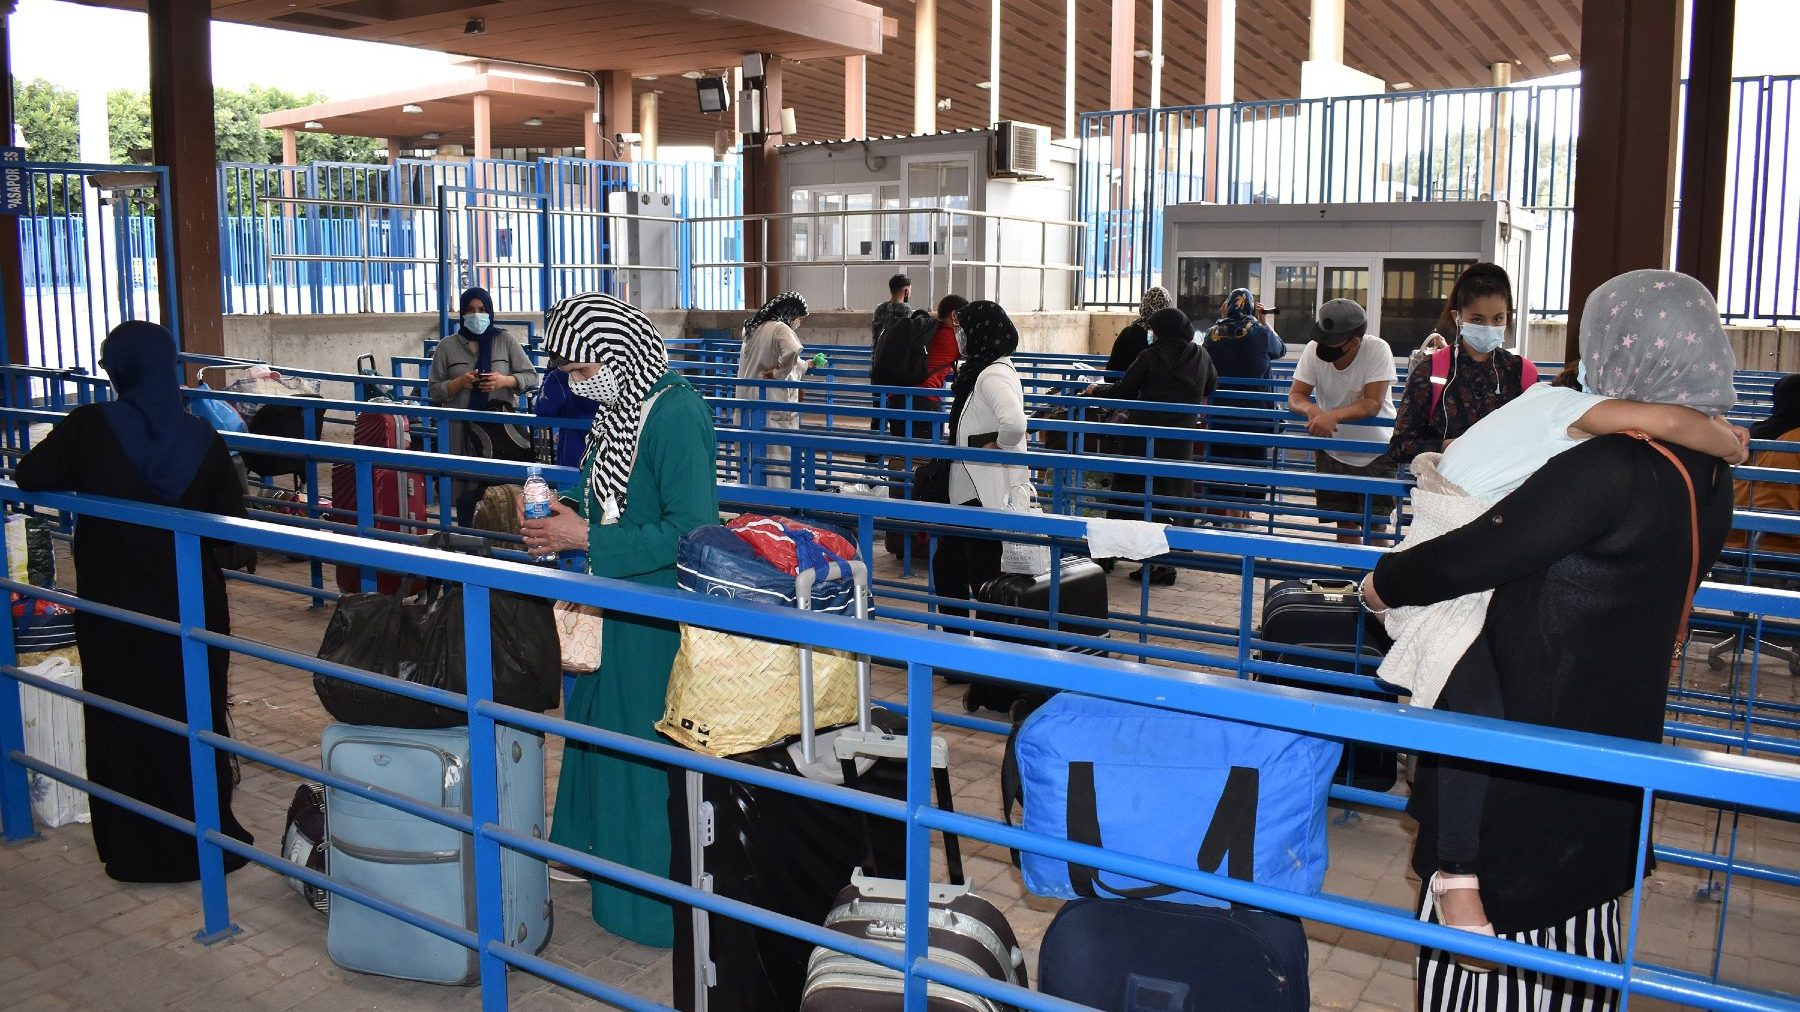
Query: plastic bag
789	544
55	734
1018	557
420	640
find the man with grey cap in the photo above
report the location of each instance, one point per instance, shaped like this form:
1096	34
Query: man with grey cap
1344	376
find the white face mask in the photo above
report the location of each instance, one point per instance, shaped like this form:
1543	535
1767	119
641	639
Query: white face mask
1481	338
602	387
477	323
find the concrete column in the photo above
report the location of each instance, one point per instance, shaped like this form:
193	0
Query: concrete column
1069	119
1156	53
1124	65
1221	85
615	116
925	66
591	146
483	109
856	97
648	123
994	61
763	193
1625	151
1706	142
1498	184
1326	44
12	268
290	147
182	135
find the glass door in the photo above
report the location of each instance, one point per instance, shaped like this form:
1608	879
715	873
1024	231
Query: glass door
1302	286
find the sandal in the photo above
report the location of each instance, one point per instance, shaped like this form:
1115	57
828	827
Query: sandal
1442	883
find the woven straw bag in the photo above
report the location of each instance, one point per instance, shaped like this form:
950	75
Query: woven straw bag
578	635
731	694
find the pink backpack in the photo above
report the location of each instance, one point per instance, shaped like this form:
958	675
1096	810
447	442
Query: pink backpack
1440	374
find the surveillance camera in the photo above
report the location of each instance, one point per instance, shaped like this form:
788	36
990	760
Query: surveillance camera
476	26
629	138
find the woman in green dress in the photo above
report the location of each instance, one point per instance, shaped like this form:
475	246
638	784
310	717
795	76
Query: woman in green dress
645	484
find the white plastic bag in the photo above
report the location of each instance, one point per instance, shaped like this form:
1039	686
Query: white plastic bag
54	733
18	549
1019	558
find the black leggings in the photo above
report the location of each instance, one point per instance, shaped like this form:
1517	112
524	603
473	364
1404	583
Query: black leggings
961	566
1473	688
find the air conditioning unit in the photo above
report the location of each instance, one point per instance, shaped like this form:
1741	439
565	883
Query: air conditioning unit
1021	151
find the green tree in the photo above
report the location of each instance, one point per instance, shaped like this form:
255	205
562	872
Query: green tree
49	117
127	123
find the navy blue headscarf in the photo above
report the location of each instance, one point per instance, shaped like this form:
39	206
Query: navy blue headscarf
148	417
484	342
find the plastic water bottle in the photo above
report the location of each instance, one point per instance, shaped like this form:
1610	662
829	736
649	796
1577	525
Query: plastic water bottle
536	496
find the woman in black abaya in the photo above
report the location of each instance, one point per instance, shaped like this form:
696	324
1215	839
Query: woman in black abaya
143	446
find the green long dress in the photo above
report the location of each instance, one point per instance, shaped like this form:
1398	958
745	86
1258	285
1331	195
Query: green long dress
607	805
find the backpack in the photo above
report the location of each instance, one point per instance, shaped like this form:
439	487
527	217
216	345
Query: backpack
900	355
1181	788
303	842
498	510
1440	375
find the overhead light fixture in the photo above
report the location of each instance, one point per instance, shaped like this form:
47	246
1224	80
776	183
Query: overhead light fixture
313	124
1561	58
409	107
648	77
534	121
476	26
1142	54
984	85
1402	85
693	75
432	136
715	97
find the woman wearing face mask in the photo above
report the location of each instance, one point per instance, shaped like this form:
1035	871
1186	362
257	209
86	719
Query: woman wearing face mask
481	368
646	480
1456	387
772	352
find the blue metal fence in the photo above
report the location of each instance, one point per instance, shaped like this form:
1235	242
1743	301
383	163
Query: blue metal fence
1515	144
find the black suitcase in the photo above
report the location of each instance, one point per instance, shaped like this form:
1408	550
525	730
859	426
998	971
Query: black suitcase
1327	615
964	930
1131	955
1083	595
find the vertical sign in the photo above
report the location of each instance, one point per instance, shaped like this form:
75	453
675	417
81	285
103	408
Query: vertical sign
15	187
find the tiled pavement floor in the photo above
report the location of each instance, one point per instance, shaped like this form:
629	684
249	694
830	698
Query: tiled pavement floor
72	939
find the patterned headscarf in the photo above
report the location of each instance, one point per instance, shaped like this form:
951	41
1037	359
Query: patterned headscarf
1240	315
988	337
786	307
618	337
1155	300
1655	336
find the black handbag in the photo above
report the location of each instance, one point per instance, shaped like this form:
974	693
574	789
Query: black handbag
419	639
499	440
931	482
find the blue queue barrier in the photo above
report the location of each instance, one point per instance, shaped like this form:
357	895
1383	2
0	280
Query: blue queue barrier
1772	790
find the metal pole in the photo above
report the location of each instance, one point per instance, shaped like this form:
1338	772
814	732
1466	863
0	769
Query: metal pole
362	252
268	265
190	596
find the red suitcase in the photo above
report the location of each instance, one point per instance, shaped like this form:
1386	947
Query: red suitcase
398	494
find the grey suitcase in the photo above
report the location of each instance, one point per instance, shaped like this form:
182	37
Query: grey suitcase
966	932
419	863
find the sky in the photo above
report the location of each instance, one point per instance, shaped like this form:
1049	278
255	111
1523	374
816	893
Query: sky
113	51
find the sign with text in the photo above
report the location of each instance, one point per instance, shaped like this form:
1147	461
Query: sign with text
15	184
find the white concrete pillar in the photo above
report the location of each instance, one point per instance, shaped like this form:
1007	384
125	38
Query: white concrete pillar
1156	53
994	61
925	67
1327	40
1069	119
1221	86
856	97
648	104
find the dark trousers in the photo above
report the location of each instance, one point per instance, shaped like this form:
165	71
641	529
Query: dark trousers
1473	688
961	566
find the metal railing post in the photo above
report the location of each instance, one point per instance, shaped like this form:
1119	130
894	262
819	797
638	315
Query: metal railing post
362	249
203	761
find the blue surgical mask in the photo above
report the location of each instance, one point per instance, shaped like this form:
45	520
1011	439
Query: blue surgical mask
476	323
1481	338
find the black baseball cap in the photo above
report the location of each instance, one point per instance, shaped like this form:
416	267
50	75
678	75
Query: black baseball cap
1339	320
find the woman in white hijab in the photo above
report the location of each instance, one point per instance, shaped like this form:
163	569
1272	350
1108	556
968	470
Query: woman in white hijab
772	351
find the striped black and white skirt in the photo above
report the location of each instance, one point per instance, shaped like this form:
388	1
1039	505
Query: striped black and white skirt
1444	986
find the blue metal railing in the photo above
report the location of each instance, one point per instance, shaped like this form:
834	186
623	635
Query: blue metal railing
1657	771
1515	143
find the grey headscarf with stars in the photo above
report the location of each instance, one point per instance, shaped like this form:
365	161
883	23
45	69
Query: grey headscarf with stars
1655	336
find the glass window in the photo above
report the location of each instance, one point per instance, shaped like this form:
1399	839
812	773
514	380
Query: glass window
1413	296
938	184
1203	282
1296	302
1347	283
890	223
860	228
800	229
829	226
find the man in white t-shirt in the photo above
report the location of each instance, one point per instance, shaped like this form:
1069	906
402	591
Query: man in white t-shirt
1345	375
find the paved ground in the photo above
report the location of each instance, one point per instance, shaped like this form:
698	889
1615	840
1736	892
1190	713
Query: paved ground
74	939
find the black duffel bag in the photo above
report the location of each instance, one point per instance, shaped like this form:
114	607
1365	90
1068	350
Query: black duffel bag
420	640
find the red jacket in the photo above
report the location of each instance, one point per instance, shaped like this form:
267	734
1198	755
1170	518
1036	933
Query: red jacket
942	356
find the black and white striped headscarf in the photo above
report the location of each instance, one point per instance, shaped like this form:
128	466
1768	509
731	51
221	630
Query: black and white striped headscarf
602	330
786	307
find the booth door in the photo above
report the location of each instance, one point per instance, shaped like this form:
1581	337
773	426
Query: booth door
1302	286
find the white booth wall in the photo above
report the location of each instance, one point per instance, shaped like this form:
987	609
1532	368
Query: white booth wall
949	170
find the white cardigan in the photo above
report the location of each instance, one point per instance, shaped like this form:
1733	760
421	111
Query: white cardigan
997	404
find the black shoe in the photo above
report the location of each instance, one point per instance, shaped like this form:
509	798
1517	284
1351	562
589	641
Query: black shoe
1163	576
1106	565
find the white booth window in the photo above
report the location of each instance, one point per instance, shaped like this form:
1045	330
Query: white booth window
938	183
1205	281
1413	295
827	230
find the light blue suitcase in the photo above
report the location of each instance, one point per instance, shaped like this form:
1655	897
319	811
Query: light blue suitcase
419	863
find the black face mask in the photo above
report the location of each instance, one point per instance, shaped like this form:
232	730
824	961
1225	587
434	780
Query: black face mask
1331	353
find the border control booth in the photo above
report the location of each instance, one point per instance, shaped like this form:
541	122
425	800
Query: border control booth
1398	260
